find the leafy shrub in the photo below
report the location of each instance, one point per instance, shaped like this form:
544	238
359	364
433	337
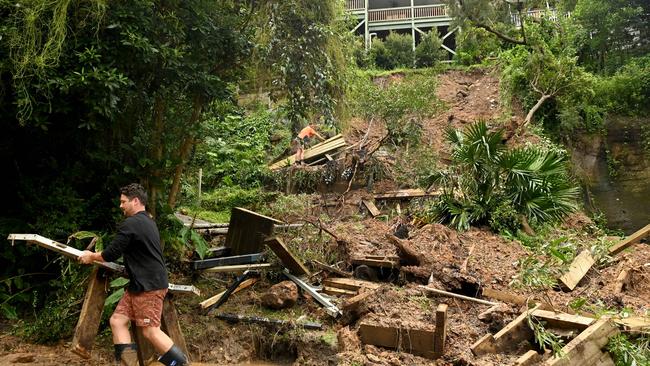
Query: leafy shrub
484	176
224	199
429	50
475	45
394	52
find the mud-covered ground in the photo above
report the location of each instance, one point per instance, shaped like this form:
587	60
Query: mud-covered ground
459	262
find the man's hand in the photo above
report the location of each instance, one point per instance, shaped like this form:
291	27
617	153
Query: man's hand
87	257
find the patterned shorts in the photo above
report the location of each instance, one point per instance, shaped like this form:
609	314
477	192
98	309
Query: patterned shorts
143	307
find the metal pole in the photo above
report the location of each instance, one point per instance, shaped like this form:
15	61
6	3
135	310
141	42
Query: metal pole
200	179
413	30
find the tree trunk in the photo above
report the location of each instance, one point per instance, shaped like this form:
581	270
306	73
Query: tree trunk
157	119
532	111
184	151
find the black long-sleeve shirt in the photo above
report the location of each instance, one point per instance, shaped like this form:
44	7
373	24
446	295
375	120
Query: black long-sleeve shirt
138	241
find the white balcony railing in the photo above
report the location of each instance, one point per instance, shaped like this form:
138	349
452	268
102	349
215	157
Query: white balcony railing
404	13
352	5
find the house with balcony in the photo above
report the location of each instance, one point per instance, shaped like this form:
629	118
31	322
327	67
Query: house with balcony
376	18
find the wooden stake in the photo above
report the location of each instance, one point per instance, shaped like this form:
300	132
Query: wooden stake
457	296
440	334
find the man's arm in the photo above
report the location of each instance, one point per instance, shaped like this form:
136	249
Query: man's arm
88	257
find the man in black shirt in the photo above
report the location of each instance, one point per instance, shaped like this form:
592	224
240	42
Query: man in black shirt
138	241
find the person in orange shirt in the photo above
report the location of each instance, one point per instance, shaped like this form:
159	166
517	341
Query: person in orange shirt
303	138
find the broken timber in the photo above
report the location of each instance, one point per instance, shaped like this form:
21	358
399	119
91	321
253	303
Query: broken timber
233	318
247	231
350	284
286	257
374	262
326	267
402	193
451	294
184	289
625	243
227	261
214	299
66	250
317	150
330	308
240	283
412	340
585	349
91	314
440	335
579	267
508	337
238	267
374	211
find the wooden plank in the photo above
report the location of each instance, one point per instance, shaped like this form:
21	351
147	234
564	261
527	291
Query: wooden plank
91	314
319	149
213	300
350	284
374	211
287	258
219	251
630	240
337	291
579	267
529	358
483	345
622	281
415	341
604	360
503	296
171	325
457	296
507	338
562	320
585	349
392	258
332	269
440	335
247	231
634	324
228	261
376	263
183	289
66	250
238	268
402	193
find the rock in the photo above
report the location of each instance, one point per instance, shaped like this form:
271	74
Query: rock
281	295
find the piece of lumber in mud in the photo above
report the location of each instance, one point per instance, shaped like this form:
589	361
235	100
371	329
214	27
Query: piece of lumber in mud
238	268
328	268
350	284
213	300
91	314
529	358
287	258
440	335
579	267
383	263
402	193
228	261
562	320
416	341
184	289
585	349
234	318
392	258
171	326
337	291
634	324
622	281
630	240
66	250
317	150
457	296
247	231
374	211
503	296
508	337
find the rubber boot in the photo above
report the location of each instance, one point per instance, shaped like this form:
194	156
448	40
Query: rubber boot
129	357
173	357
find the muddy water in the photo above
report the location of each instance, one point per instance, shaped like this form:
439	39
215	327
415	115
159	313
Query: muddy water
616	171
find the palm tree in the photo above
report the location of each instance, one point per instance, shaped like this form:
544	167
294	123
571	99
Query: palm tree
485	175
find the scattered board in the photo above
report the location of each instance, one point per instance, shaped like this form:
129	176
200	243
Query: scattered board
578	269
317	150
287	258
247	231
630	240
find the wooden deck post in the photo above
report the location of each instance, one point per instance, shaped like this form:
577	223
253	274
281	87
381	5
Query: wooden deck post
91	313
